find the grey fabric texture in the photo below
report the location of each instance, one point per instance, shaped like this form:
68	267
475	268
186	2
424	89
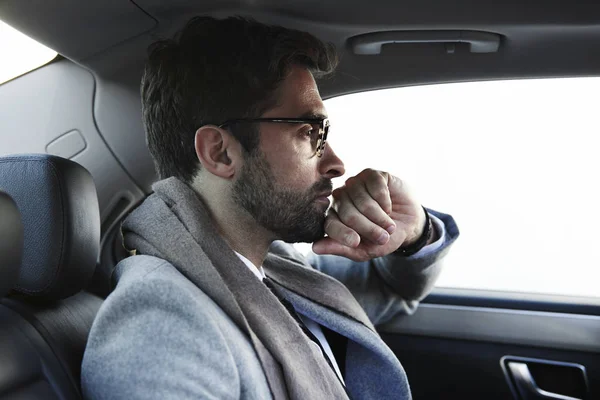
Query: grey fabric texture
188	319
157	336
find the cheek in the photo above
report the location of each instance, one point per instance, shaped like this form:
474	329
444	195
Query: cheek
289	163
294	171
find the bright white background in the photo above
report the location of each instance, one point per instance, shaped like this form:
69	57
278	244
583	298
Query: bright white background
515	162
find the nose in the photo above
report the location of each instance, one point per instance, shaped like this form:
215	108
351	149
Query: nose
330	165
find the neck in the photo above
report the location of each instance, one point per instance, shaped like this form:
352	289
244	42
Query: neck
244	237
239	229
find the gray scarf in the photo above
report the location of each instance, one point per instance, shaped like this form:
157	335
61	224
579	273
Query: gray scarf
174	224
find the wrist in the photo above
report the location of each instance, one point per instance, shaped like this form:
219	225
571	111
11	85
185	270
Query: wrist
408	248
419	230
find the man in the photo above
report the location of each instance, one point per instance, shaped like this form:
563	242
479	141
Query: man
214	305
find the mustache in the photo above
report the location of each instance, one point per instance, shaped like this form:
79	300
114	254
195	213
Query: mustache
324	185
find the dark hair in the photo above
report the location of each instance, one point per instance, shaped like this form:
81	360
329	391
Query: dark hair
214	70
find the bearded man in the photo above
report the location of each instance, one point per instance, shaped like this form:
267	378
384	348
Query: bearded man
215	303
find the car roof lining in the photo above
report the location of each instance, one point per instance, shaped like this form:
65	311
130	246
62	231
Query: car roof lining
539	39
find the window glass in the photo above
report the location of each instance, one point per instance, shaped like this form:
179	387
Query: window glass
515	163
20	54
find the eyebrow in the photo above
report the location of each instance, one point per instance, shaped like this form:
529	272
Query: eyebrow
312	115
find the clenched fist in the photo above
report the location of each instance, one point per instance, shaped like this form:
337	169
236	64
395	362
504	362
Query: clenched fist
372	215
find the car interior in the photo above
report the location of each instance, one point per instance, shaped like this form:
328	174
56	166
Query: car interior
74	162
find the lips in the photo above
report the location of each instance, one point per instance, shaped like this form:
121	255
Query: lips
324	194
323	198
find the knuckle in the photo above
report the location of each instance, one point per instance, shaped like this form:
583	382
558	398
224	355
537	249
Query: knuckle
369	208
364	203
351	218
385	221
368	171
348	235
375	232
341	208
359	202
380	191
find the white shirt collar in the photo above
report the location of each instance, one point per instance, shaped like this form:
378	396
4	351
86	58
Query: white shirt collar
258	271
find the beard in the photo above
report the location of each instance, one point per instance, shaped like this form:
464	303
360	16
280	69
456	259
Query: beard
292	216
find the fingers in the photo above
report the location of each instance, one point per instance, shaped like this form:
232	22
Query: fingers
340	232
377	186
363	252
360	221
372	215
368	193
341	240
330	246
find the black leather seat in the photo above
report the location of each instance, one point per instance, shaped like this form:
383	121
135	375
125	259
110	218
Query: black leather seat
11	243
46	317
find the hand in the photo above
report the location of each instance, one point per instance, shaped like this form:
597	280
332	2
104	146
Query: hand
372	215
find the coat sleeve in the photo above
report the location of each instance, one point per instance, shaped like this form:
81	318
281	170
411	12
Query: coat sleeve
144	344
392	285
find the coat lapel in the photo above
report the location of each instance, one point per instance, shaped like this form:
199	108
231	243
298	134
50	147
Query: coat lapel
329	303
366	354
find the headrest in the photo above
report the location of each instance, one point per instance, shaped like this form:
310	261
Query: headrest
61	223
11	243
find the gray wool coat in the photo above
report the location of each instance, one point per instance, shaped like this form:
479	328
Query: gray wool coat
158	336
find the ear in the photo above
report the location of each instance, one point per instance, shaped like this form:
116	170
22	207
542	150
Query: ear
218	152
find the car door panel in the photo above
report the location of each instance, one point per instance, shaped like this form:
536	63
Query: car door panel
461	351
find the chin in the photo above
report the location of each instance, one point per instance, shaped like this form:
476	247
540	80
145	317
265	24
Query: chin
304	234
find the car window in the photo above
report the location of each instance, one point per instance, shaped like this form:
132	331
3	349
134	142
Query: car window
20	54
515	163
